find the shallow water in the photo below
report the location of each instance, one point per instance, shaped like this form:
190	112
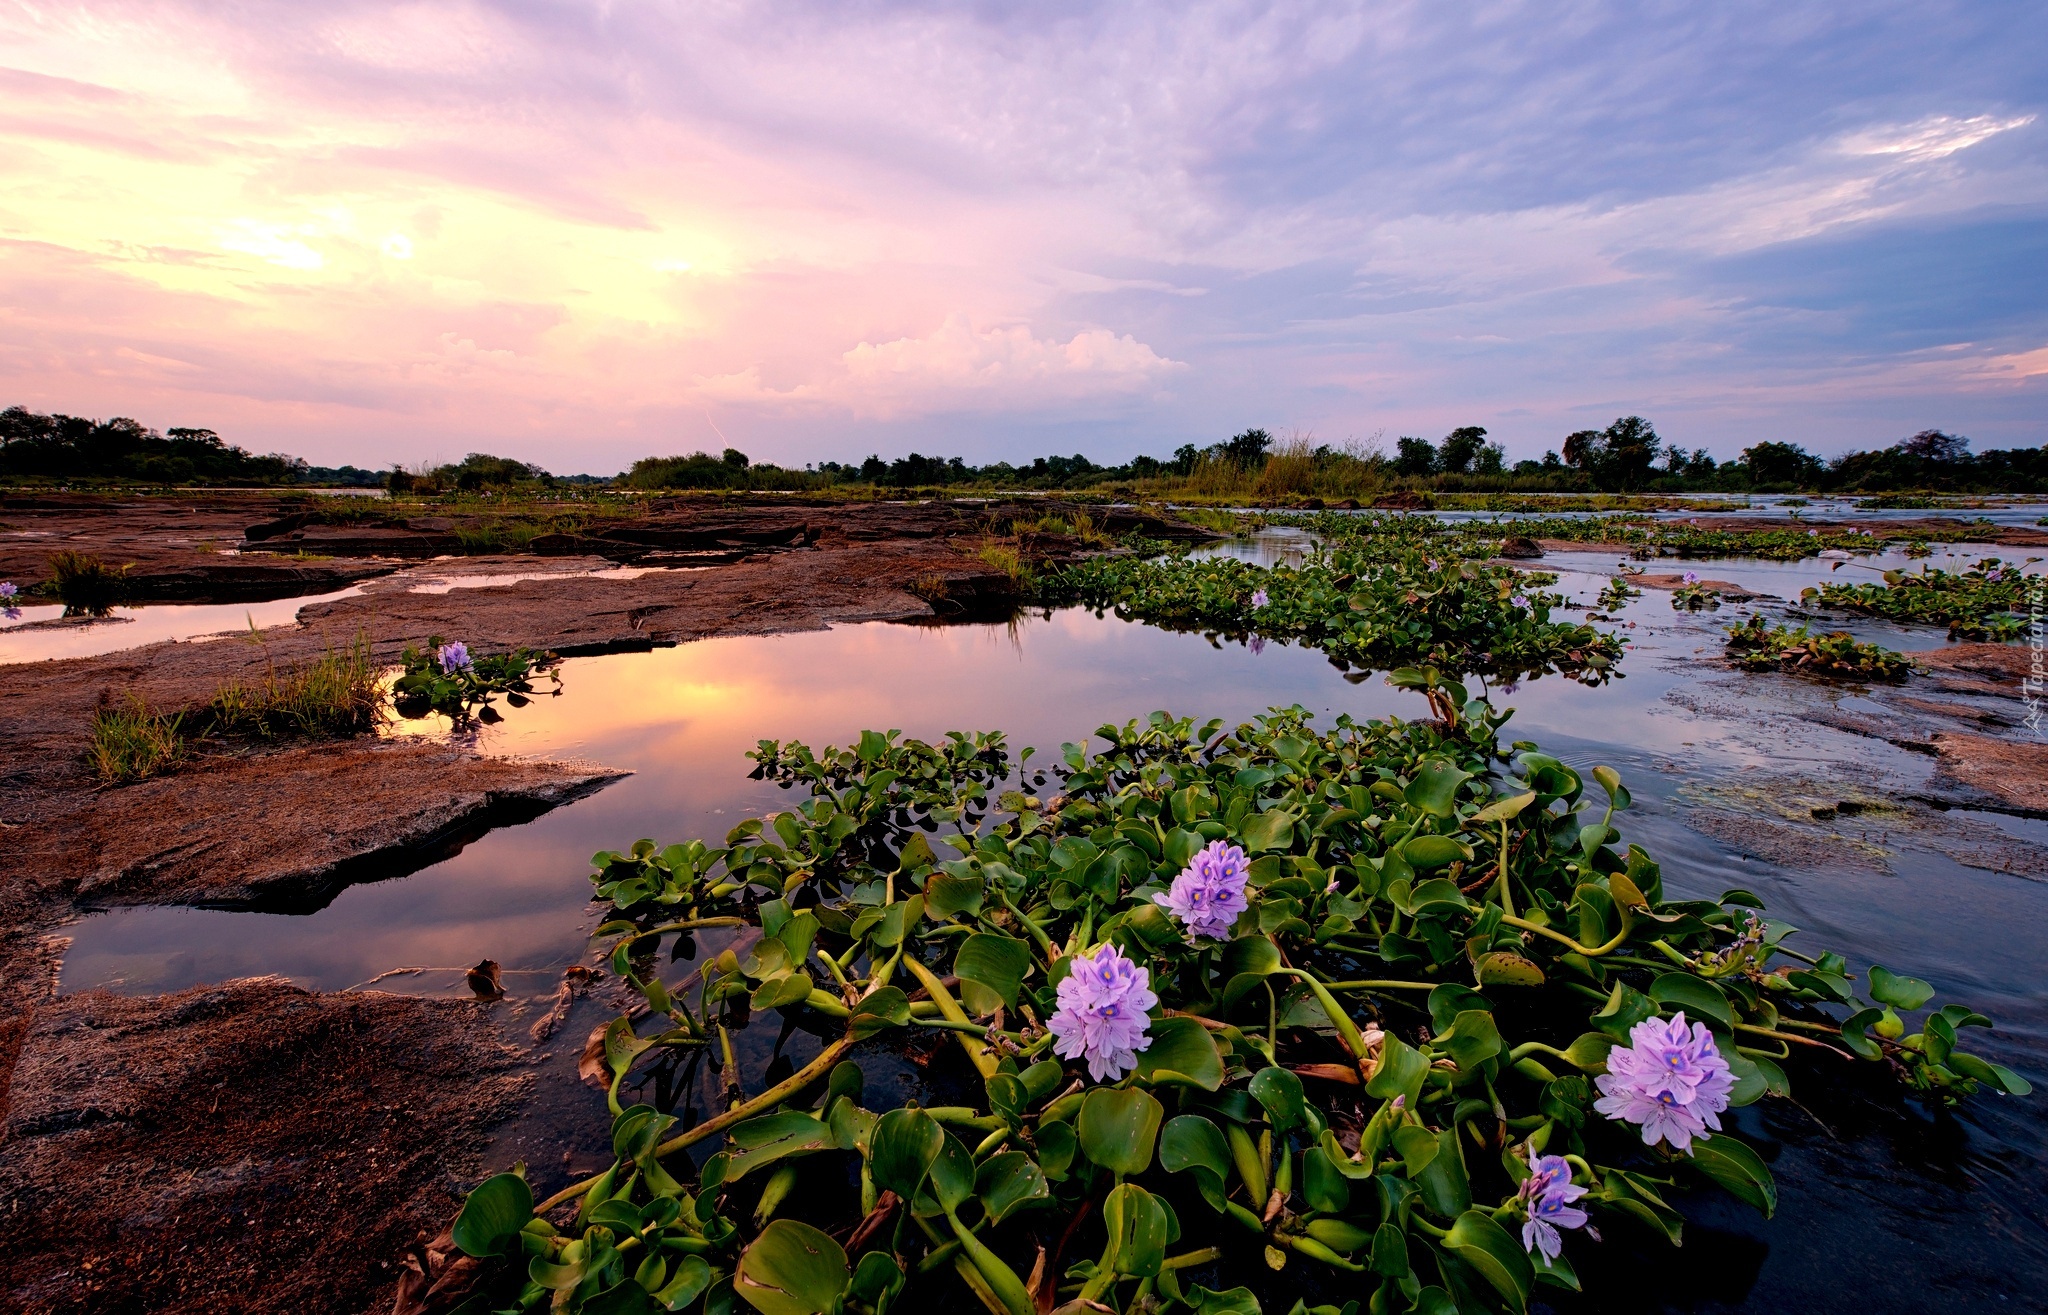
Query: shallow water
1953	1204
30	639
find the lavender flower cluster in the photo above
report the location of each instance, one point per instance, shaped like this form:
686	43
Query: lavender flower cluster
1103	1013
1209	893
452	657
7	596
1670	1079
1546	1196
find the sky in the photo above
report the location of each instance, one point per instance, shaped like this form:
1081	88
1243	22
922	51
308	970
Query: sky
584	233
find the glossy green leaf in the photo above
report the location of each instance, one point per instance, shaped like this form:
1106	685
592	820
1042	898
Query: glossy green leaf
1428	853
1498	1257
1118	1127
995	966
1268	830
1322	1186
1703	1000
1736	1167
1007	1182
1434	787
1472	1040
792	1269
1899	992
879	1010
1139	1229
901	1150
1182	1053
946	894
1279	1091
1401	1071
493	1214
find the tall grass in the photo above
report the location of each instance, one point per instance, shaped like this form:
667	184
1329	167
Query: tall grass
86	585
1006	558
131	742
340	693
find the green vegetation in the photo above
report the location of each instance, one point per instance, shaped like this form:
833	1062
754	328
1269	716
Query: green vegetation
86	585
1006	558
340	693
1985	601
130	742
443	678
1755	646
1370	606
1447	943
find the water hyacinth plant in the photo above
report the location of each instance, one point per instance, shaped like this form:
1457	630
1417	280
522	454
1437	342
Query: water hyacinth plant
444	678
1756	646
1986	601
1366	609
1458	1022
1693	596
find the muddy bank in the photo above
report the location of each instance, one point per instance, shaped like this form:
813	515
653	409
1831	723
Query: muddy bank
1729	591
247	1147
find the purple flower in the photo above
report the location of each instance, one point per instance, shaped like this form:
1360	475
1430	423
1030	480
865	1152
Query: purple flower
1257	644
1547	1195
1692	577
453	657
1670	1078
1209	893
1102	1013
1814	533
7	589
1259	598
1521	601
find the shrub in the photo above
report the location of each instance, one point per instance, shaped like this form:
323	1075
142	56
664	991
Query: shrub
1754	646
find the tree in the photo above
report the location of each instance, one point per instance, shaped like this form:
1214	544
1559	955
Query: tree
1781	463
1416	456
1927	445
1459	448
1492	459
1248	450
1184	458
735	458
1617	457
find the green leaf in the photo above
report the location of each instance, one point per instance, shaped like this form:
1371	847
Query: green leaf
783	992
1139	1230
1008	1181
1500	810
1279	1091
901	1150
1472	1040
993	967
1899	992
1194	1144
493	1214
951	1182
1625	1007
1182	1053
946	894
792	1269
1505	968
1400	1073
1702	999
1589	1051
760	1142
1736	1167
1322	1186
1488	1248
1610	781
1268	830
1118	1128
1235	1301
688	1283
1428	853
879	1010
1995	1076
1434	788
1855	1033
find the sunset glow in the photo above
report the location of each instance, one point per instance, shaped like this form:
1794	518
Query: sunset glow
584	233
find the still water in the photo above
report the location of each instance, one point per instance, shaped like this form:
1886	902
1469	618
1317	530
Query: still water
1950	1209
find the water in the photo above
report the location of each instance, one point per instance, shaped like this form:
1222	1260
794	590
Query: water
1953	1203
33	639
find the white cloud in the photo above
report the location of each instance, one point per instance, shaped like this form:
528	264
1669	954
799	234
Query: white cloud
269	242
1930	139
960	364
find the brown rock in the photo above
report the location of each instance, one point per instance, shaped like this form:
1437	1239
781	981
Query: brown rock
1520	547
248	1147
2011	770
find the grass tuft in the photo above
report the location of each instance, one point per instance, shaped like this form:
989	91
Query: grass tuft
1006	558
130	742
341	693
86	585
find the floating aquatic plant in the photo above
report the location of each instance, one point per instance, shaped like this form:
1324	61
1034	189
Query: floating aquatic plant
1450	962
445	678
1756	646
1986	601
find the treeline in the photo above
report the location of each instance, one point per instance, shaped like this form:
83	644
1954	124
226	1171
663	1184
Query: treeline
62	447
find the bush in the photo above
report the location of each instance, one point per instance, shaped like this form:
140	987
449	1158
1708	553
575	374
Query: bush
86	585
